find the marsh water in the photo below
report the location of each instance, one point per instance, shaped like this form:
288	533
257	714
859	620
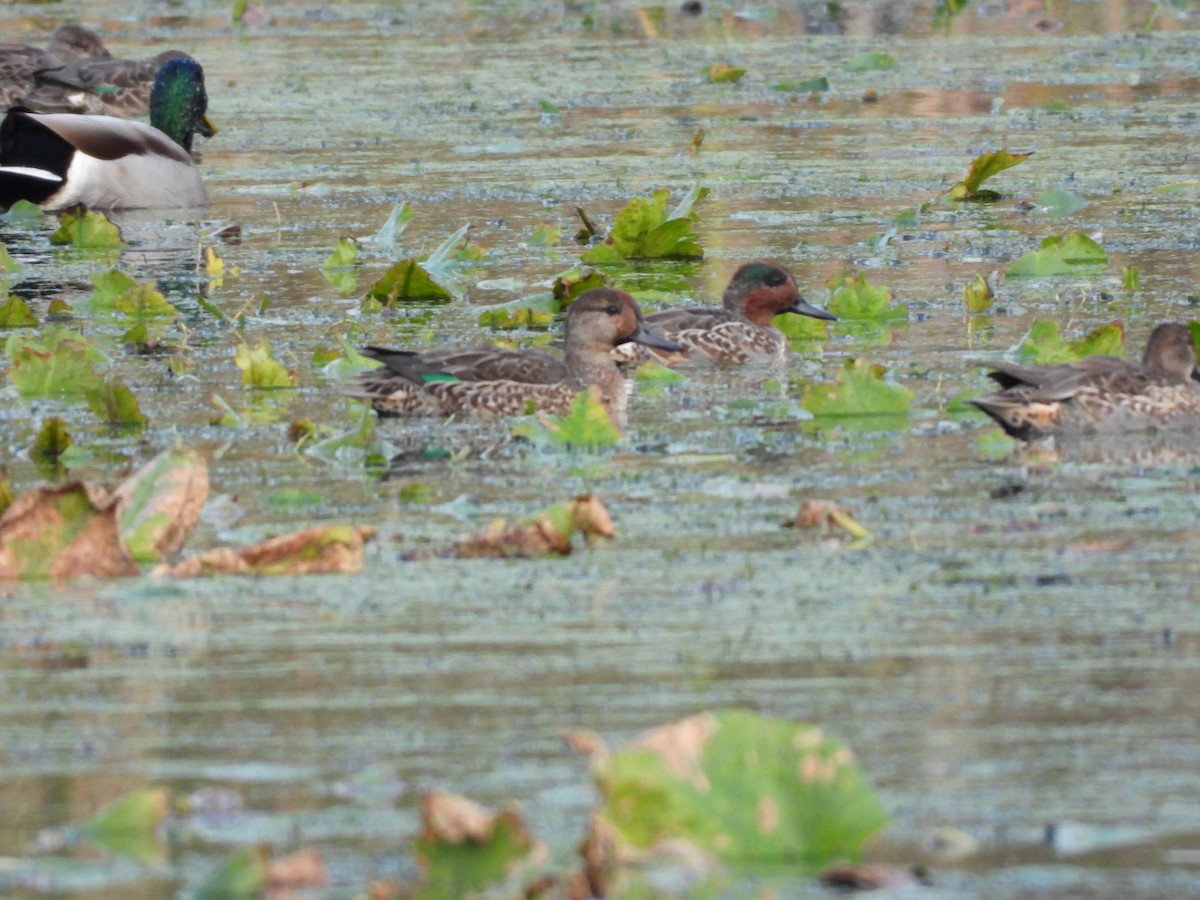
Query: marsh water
1017	646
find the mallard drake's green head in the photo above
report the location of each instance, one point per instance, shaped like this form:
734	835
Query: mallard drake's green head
179	103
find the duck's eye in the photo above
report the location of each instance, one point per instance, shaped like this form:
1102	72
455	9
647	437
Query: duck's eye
613	309
775	279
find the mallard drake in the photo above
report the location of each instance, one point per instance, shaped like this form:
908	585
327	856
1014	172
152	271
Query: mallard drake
58	160
500	382
117	87
19	63
1101	393
738	333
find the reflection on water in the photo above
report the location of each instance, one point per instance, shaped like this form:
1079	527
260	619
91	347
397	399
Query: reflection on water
1018	644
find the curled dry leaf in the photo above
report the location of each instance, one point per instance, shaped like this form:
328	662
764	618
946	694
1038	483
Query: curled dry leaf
585	741
63	531
161	503
303	869
455	819
827	515
548	533
324	549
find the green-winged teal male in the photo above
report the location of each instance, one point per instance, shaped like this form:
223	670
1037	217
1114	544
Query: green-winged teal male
1101	393
741	331
57	160
496	381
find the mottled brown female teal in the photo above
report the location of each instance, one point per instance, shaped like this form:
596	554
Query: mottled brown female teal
498	382
1101	393
20	63
739	333
98	87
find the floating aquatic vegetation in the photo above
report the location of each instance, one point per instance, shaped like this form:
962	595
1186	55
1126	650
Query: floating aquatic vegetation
1060	255
982	168
586	425
407	280
545	235
7	263
723	73
1044	344
260	369
871	61
464	849
1059	203
645	230
546	534
730	786
111	399
215	269
860	392
52	441
142	307
853	298
55	362
15	313
1131	278
161	504
129	825
977	295
87	230
827	515
398	220
818	85
321	550
242	876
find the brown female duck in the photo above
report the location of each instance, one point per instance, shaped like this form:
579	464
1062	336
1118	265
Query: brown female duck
1101	393
98	87
499	382
20	63
741	331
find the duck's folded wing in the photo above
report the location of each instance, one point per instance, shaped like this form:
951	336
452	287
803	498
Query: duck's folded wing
100	137
688	318
472	364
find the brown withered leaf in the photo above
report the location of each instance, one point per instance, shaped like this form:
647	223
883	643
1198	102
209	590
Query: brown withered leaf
827	515
303	869
453	818
63	531
546	534
161	503
323	549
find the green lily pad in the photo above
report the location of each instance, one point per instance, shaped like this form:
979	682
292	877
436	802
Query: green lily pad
242	876
15	313
111	399
873	61
52	441
1064	255
742	787
24	213
818	85
977	295
129	826
339	267
982	168
143	307
260	369
1045	345
723	73
804	329
406	280
57	362
397	221
1059	203
90	230
859	391
586	425
506	316
645	230
853	297
464	849
7	263
576	281
545	235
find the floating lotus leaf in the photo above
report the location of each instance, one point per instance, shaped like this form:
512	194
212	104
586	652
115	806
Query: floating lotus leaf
872	61
817	85
645	230
977	295
859	391
407	280
339	267
465	848
546	534
324	549
1044	343
161	503
129	826
111	399
243	876
1065	255
744	788
852	297
982	168
52	440
260	369
723	73
88	230
63	531
586	425
15	313
56	362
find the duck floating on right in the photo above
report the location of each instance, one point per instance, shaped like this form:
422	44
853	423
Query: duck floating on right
1101	394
